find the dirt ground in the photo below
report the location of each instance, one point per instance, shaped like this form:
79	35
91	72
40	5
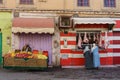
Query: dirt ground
104	73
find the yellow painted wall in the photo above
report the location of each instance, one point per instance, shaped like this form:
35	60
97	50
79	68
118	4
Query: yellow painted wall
69	4
50	4
10	4
95	5
5	26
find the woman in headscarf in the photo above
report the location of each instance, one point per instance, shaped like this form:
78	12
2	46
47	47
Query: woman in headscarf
27	48
96	57
88	58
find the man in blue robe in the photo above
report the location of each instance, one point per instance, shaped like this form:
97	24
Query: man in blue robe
96	57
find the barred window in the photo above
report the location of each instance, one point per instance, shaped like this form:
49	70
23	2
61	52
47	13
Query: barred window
26	1
83	2
109	3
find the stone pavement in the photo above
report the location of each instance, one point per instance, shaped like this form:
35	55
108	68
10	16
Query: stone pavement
104	73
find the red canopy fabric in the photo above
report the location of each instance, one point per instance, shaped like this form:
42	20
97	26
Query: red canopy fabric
117	24
33	25
33	22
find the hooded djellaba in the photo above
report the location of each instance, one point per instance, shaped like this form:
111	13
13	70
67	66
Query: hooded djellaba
88	58
96	57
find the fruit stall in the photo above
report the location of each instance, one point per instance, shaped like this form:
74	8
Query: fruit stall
25	60
38	35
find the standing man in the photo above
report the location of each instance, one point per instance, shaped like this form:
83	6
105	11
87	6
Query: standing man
96	57
88	58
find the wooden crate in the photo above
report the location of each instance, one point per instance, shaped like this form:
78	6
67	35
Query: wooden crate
41	62
31	63
8	61
21	62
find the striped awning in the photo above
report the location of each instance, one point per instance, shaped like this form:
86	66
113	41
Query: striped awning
93	21
33	25
117	26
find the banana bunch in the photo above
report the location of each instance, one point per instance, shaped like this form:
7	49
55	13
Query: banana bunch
12	54
40	56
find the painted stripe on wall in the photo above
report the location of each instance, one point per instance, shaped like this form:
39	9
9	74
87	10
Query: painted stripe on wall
114	38
102	51
74	42
116	29
116	41
115	50
116	33
114	46
73	38
68	42
68	34
72	62
73	55
81	61
109	61
68	47
103	60
109	54
116	60
66	51
116	54
71	45
108	33
69	55
68	38
79	51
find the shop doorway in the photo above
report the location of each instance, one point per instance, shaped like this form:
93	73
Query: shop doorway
41	42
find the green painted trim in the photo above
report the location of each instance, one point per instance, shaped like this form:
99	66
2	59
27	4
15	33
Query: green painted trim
5	26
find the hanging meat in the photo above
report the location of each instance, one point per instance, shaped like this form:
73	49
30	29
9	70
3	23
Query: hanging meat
94	38
103	41
100	41
90	39
85	38
106	40
79	41
97	38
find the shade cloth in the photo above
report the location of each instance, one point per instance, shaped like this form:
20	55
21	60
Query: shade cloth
33	25
93	21
117	26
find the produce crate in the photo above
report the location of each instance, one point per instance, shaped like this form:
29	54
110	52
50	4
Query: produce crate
8	61
24	63
19	62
